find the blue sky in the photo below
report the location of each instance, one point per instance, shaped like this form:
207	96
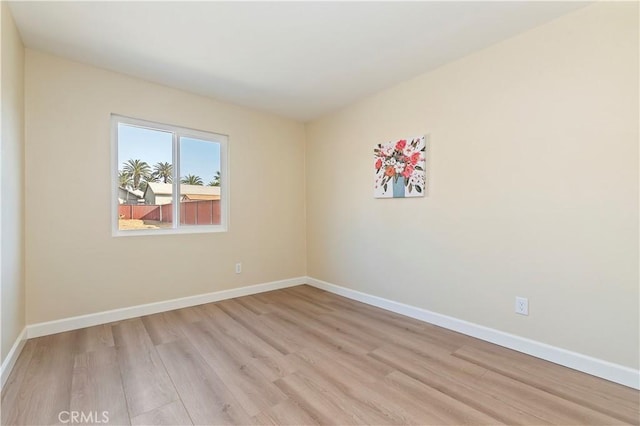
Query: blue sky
200	158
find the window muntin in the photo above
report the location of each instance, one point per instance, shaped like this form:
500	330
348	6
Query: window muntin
167	179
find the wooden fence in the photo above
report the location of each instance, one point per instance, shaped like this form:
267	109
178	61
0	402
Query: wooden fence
191	212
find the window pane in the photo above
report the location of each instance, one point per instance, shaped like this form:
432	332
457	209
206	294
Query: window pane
145	175
199	182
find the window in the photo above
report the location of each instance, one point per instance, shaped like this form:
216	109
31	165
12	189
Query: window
167	179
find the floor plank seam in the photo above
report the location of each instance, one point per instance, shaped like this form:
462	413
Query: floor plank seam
176	389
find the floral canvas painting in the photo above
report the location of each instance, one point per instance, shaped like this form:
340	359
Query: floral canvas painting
400	168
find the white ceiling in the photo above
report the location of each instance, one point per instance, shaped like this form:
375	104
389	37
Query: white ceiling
296	59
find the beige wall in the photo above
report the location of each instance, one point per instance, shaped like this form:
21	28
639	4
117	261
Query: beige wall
74	265
534	188
11	189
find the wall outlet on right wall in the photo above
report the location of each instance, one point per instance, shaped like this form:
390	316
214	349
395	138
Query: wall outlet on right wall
522	305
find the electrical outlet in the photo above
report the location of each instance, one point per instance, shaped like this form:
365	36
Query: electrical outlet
522	306
238	267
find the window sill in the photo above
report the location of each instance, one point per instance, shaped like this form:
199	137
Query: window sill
185	229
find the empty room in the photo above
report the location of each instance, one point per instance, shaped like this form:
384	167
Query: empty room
301	213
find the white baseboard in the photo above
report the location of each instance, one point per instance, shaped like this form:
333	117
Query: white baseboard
82	321
12	357
594	366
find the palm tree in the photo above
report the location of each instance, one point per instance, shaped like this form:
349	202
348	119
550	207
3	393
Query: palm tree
163	171
191	180
147	180
216	180
138	170
124	179
150	178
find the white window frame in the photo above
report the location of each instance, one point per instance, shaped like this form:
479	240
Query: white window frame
177	132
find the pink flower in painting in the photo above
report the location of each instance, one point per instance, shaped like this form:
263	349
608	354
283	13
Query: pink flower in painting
415	157
378	164
390	171
407	171
401	144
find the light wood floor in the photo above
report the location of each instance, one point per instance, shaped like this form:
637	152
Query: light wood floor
297	356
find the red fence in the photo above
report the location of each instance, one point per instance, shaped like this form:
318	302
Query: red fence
191	212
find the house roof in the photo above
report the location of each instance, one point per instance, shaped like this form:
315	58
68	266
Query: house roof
200	197
134	192
187	190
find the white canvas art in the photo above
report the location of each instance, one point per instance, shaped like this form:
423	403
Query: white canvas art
401	168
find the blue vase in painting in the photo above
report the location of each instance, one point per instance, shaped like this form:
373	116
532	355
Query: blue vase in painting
398	187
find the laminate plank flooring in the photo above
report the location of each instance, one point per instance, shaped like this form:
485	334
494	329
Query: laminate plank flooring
298	356
145	380
45	389
96	382
205	396
171	414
